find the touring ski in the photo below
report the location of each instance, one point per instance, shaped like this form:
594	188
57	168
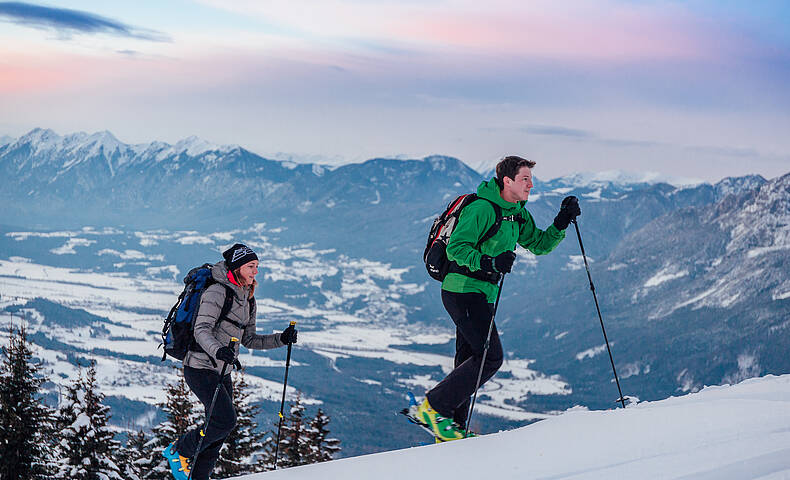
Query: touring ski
411	415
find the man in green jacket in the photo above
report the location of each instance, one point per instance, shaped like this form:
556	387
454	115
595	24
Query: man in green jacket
470	288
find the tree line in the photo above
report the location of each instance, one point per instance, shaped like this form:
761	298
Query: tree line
75	441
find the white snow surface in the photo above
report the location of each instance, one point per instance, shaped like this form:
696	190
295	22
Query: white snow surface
665	275
720	433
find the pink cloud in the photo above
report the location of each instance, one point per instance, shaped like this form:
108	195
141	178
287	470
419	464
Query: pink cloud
620	35
596	30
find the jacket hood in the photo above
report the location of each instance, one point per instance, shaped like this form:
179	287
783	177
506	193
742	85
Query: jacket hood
220	274
490	191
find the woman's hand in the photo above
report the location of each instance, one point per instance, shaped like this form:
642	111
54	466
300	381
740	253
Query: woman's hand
289	335
226	354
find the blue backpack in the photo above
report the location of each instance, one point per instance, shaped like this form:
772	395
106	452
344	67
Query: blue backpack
178	331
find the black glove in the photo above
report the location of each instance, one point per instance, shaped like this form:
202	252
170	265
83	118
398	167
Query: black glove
288	335
502	263
226	354
568	211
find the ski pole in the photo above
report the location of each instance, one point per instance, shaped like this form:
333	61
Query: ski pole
485	353
595	297
282	403
210	410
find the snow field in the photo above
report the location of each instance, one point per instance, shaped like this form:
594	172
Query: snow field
720	433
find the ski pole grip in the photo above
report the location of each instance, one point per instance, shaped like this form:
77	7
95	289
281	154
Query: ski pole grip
232	341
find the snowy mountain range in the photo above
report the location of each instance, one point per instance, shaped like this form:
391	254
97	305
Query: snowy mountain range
692	278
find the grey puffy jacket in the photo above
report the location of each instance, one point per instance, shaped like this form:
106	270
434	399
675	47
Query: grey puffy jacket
211	336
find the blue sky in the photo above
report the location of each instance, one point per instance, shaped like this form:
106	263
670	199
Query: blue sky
690	89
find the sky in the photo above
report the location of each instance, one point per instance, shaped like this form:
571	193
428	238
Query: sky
697	89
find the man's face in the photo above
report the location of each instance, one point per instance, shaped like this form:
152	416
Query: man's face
519	187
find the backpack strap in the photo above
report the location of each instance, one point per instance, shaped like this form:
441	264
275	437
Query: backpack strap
497	222
223	316
226	306
498	218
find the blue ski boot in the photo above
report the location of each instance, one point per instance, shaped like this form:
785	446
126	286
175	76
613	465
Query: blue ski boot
179	465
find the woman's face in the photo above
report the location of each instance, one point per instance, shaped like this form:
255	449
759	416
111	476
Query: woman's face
248	271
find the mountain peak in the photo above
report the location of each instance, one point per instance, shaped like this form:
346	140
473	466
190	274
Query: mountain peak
40	139
737	185
194	145
104	140
40	132
39	135
622	177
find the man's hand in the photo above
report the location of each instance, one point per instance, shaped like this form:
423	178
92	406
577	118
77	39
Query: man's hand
568	211
502	263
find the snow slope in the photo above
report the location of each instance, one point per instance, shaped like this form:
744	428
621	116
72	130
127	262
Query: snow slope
721	433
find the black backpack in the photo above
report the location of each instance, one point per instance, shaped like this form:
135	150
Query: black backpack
178	331
435	254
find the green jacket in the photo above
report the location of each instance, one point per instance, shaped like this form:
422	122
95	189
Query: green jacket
475	219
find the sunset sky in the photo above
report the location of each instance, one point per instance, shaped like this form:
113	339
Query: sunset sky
697	89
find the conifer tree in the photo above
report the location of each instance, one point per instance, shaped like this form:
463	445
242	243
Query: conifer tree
69	403
88	444
294	443
65	416
181	417
25	421
322	448
133	459
238	454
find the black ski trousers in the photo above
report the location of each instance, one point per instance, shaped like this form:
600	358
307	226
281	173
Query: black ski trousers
223	419
471	314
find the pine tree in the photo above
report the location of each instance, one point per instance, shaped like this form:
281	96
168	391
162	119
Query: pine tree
322	448
88	444
26	423
181	417
133	459
238	454
294	444
65	416
69	403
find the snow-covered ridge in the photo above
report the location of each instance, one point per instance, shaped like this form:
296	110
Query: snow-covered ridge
722	433
622	177
46	141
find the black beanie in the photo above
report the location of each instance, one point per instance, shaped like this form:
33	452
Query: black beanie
238	255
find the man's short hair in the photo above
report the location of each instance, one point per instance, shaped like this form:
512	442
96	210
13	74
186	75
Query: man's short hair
509	167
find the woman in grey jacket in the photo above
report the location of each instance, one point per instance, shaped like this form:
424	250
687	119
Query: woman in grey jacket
234	276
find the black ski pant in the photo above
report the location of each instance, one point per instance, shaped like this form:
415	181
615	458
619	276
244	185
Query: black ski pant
223	419
471	314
